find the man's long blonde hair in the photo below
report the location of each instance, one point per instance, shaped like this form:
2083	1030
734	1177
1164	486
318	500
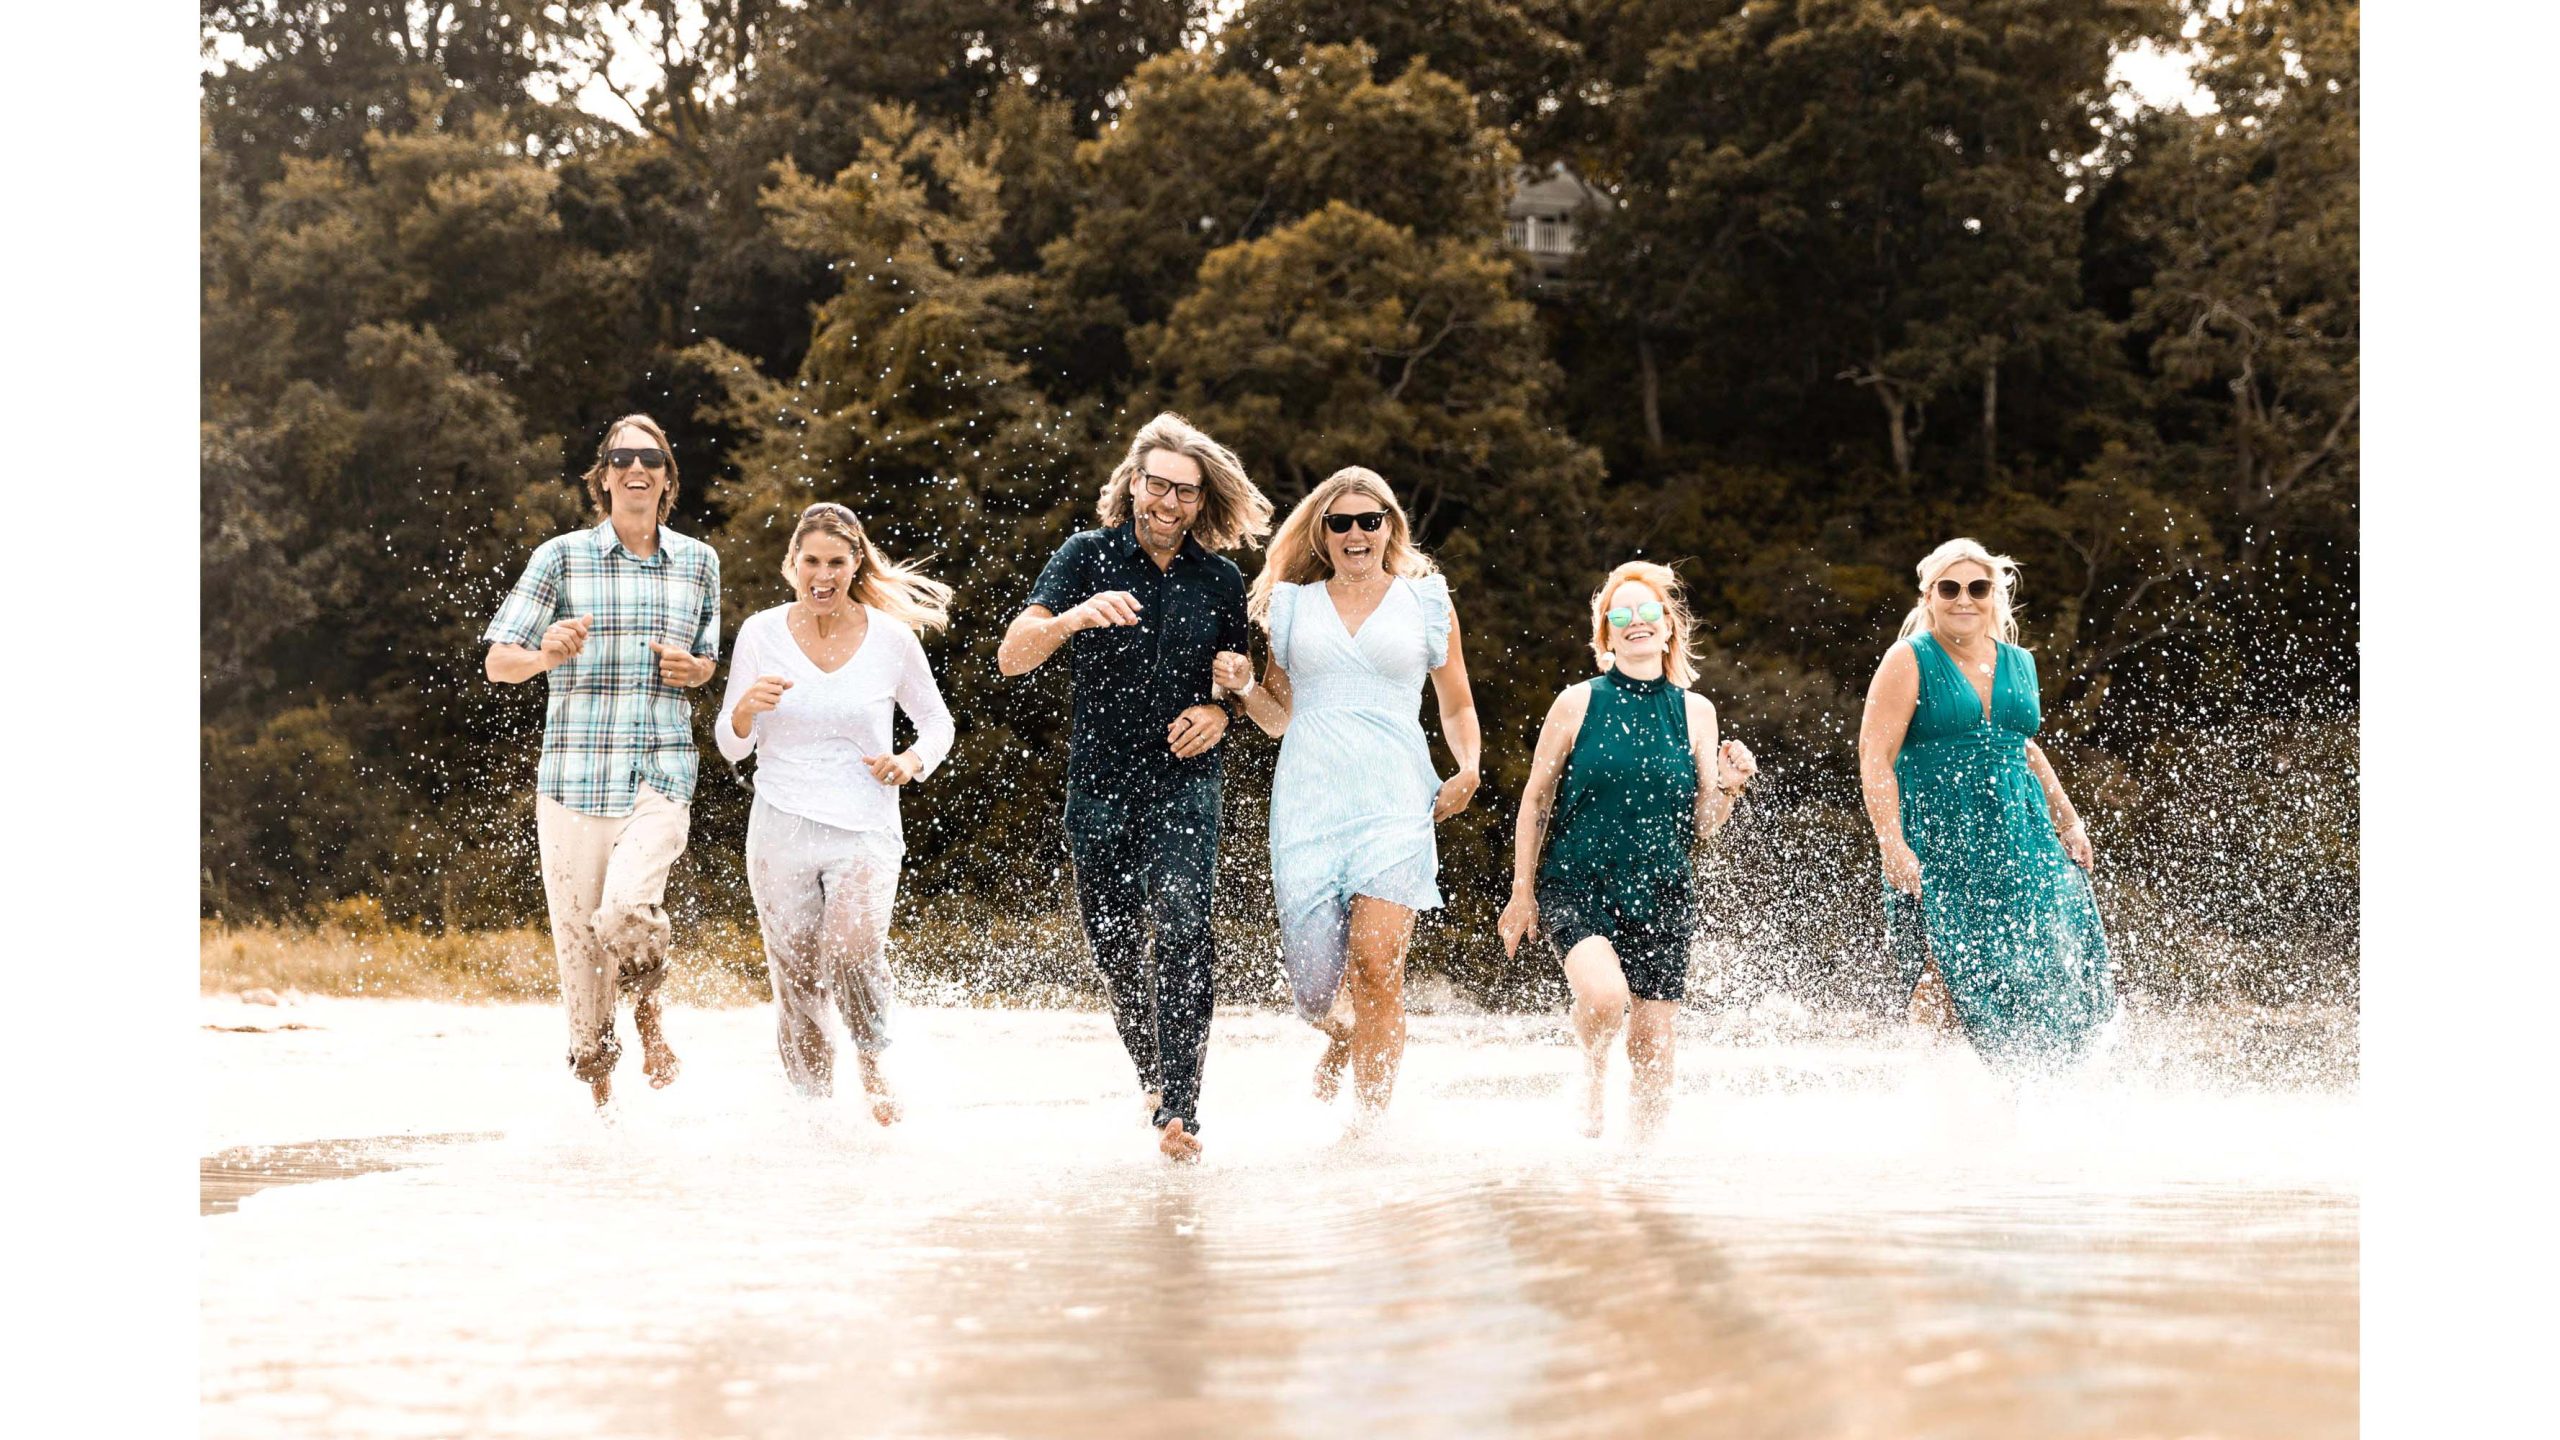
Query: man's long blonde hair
1297	553
2004	587
1232	511
1680	651
904	593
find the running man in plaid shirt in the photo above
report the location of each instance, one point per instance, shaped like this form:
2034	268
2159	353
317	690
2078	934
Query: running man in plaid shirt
625	618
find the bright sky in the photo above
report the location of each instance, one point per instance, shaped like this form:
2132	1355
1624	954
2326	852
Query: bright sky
2152	75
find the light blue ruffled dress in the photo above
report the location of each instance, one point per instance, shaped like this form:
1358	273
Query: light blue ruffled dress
1351	797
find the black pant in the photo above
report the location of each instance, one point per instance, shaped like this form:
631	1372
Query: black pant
1147	861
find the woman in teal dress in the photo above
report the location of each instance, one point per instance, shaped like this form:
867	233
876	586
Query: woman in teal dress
1358	619
1986	863
1627	782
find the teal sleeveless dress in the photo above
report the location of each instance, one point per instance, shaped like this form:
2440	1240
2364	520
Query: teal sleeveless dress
2008	915
1617	861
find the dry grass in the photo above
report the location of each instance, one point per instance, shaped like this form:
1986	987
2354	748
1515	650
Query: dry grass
330	959
942	956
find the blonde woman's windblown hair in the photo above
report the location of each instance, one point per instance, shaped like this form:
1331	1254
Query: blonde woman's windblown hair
904	593
1232	511
2004	587
1297	552
1680	652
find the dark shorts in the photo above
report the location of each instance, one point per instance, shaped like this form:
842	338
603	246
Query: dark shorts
1647	920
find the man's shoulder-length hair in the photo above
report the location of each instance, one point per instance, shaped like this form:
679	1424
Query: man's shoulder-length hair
1232	511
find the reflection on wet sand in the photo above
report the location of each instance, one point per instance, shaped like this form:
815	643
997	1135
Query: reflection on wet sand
227	1178
1806	1259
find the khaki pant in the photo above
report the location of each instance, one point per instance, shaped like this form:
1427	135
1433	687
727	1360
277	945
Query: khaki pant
605	877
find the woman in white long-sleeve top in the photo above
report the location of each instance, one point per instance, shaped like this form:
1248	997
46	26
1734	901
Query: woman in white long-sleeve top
811	685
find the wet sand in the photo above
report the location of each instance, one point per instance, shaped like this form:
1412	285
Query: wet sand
1843	1233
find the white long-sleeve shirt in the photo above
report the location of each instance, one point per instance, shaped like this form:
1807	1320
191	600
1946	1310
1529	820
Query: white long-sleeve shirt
809	748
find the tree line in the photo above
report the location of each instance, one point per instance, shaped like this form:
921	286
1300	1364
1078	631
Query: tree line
1862	275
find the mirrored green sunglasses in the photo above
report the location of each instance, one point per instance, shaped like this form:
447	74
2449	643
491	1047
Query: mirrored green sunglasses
1622	617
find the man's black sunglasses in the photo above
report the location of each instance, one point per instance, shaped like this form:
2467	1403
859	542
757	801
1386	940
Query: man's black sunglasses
1341	524
624	459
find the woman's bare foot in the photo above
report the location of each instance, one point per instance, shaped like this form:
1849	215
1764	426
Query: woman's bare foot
1337	1053
1177	1145
602	1085
656	1059
884	1104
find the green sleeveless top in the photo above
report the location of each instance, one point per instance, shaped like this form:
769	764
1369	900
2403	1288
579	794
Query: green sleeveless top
1626	805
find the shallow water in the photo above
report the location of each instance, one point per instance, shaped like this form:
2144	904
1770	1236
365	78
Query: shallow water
1843	1233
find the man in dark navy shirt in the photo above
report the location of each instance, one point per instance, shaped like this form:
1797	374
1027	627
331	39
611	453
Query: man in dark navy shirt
1149	609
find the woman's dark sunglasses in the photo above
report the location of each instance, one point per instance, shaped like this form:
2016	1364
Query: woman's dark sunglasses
1341	524
1979	589
655	459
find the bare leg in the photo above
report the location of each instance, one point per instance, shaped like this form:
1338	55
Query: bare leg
1932	1008
875	1086
1336	1026
657	1059
1599	987
1380	931
602	1087
1650	1047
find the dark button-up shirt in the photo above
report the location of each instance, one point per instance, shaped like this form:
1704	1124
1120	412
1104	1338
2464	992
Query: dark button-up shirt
1132	680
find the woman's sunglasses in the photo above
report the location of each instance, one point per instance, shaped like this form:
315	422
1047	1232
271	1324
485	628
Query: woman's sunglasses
623	459
1978	589
1622	617
1341	524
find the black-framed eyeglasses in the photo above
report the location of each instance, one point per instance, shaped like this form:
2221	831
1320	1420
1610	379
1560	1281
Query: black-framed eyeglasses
1160	487
1978	589
623	458
1368	522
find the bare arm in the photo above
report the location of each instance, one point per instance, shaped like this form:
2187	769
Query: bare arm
515	664
2066	819
1267	704
1035	634
1891	698
1556	735
561	641
1032	638
1460	729
1715	803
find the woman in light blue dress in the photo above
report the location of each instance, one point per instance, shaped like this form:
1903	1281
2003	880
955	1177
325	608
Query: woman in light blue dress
1357	618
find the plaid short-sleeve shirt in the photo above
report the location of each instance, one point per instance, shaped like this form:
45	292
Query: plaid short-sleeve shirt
612	725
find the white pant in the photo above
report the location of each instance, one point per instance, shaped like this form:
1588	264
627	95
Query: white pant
605	877
823	896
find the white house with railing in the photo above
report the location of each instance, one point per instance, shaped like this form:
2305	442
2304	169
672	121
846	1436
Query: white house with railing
1545	217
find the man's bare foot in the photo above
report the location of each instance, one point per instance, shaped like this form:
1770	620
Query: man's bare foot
1337	1053
1149	1102
884	1105
656	1059
1595	1085
1177	1145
